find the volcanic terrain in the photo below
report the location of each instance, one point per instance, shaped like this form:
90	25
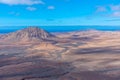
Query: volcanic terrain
35	54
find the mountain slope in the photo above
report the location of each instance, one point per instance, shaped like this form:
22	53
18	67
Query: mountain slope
28	34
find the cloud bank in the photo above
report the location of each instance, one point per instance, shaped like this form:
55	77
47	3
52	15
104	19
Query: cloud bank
114	9
21	2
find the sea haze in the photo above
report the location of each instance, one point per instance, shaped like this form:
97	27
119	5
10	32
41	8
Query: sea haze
61	28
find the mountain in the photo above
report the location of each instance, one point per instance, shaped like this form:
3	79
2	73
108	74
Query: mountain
28	34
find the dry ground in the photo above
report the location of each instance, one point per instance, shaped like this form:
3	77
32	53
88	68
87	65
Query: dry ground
91	55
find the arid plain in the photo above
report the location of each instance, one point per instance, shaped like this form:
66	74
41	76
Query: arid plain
34	54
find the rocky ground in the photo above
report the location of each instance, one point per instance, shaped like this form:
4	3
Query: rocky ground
81	55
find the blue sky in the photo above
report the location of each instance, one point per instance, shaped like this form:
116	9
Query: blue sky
59	12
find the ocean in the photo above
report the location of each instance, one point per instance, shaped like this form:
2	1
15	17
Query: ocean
9	29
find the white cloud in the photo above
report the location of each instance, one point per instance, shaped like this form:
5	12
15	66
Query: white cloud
101	9
14	13
116	14
21	2
51	7
31	8
115	7
110	10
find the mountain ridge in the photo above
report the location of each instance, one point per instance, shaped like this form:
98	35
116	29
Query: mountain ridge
28	34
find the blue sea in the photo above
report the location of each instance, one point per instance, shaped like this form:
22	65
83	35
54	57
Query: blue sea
8	29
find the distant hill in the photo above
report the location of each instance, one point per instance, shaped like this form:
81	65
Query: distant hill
28	34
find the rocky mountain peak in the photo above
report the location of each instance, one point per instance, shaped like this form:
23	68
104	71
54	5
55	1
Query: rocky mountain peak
28	34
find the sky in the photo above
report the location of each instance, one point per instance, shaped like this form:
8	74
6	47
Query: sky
59	12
